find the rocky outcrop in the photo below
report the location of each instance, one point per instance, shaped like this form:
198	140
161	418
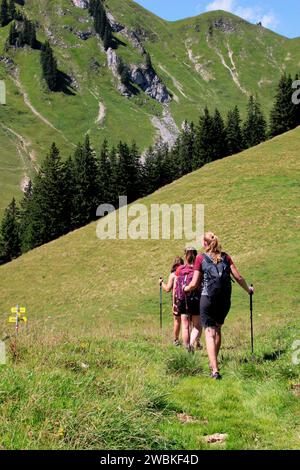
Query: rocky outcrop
7	61
224	24
84	35
113	61
81	3
146	79
166	126
115	26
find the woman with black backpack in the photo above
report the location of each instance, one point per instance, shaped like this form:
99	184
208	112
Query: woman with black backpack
213	270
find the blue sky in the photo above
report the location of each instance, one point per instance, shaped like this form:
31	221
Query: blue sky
282	16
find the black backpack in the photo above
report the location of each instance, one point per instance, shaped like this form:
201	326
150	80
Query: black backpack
217	277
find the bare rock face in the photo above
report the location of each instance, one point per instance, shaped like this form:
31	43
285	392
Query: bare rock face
115	26
225	25
150	83
81	3
84	35
113	61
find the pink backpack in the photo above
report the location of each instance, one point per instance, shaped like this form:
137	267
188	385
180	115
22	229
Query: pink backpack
184	278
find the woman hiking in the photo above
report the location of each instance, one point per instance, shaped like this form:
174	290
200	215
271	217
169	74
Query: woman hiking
168	288
187	303
213	270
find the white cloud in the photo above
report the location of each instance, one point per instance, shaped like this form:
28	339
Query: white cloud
254	14
226	5
270	21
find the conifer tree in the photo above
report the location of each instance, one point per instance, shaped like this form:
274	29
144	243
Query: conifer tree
186	148
234	133
128	171
282	117
12	10
4	13
107	38
204	140
49	66
47	203
10	245
86	189
255	126
220	141
105	175
25	218
151	172
297	106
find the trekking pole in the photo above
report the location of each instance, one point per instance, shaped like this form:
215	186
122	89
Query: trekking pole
251	321
160	304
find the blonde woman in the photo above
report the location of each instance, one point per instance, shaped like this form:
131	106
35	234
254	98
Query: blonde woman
213	270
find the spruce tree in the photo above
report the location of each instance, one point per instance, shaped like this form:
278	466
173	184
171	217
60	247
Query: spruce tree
49	66
107	38
4	13
151	172
282	117
297	106
105	176
47	205
234	133
255	126
86	185
128	171
113	164
25	218
186	145
12	10
10	245
220	141
204	140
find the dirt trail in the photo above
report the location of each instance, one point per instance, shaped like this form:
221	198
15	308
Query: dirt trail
28	103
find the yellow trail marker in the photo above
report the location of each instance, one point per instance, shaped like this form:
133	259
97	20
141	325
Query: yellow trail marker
18	310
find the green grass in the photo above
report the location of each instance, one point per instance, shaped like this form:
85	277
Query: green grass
260	57
92	370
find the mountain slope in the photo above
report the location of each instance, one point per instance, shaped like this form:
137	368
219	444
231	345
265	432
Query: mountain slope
93	371
215	59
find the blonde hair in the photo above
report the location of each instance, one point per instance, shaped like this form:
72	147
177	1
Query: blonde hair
213	246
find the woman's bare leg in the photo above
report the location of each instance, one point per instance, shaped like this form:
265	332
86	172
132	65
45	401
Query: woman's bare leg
177	325
196	331
218	339
185	330
212	347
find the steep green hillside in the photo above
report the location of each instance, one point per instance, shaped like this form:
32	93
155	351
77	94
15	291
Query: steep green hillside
92	370
215	59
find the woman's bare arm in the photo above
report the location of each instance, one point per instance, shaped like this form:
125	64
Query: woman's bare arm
240	280
169	286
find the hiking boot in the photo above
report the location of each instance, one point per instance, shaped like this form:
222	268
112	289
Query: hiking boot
176	343
199	346
191	349
216	376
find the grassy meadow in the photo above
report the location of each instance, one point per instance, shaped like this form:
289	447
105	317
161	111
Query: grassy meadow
91	369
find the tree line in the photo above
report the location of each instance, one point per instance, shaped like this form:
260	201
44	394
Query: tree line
65	193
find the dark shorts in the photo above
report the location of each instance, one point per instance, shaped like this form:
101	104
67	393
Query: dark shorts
213	312
189	307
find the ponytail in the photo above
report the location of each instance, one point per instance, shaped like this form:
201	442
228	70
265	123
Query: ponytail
213	247
190	255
